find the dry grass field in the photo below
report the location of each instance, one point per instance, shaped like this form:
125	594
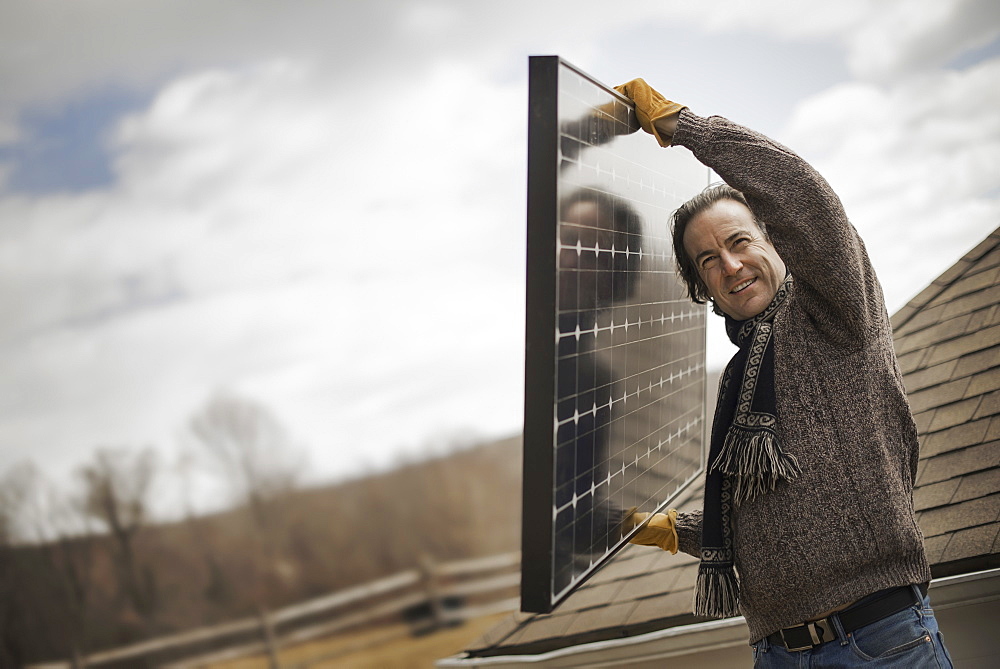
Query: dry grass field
390	647
201	572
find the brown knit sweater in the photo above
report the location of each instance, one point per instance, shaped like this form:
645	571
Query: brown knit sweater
844	528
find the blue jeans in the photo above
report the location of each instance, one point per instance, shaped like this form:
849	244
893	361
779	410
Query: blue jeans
908	639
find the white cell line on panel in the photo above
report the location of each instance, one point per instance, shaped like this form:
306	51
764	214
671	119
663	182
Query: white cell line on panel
635	409
649	210
637	324
574	500
624	326
687	440
661	441
659	385
575	418
661	367
668	438
682	189
651	338
577	415
656	336
681	477
686	452
623	417
674	196
692	462
596	249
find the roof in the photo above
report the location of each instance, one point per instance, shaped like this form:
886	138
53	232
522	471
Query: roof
639	591
948	343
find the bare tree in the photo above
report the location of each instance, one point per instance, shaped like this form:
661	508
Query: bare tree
254	453
72	552
250	448
15	488
36	513
218	589
118	483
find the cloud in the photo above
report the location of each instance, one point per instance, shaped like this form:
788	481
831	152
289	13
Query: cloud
902	38
789	20
272	233
916	171
60	50
884	38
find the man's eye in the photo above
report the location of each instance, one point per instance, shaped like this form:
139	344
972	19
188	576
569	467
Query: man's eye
741	242
708	262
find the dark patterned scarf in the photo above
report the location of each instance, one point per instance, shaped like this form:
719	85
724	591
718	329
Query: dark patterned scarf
744	457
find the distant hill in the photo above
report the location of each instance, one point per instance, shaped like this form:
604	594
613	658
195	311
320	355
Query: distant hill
218	567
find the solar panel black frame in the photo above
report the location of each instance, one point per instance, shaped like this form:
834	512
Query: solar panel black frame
554	142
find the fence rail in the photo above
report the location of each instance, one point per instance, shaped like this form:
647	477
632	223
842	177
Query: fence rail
436	594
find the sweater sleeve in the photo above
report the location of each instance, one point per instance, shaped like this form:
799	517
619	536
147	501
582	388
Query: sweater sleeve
688	528
805	221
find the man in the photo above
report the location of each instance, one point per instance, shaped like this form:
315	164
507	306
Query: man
813	454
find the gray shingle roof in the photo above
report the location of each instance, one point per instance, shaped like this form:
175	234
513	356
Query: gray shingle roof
641	590
948	344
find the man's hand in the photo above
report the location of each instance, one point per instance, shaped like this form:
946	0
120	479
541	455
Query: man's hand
659	531
657	115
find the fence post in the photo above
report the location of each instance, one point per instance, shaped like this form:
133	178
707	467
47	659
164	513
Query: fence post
267	630
433	590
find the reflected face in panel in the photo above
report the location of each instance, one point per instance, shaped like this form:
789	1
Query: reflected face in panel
738	265
588	233
581	228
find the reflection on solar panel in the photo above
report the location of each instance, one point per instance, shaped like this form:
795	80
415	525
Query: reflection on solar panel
614	350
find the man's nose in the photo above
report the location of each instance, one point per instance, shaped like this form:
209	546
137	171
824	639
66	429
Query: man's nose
731	264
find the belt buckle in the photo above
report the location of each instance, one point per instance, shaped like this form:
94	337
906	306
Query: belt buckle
817	630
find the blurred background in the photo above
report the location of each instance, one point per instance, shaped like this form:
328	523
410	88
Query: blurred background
264	258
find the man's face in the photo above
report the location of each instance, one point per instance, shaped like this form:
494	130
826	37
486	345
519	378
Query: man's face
738	265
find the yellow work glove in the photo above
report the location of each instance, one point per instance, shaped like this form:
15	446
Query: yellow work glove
650	107
659	531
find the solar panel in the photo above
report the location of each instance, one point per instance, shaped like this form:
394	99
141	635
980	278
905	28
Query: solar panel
614	350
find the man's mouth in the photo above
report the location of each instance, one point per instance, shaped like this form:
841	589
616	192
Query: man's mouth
743	285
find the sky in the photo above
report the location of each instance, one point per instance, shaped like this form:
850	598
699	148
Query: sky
320	206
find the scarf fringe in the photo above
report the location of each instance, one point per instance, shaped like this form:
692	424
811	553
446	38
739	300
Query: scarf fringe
717	593
755	462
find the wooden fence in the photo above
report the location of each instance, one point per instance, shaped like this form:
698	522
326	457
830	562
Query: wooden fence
435	595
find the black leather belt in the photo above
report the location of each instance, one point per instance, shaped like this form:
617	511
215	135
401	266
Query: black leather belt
812	634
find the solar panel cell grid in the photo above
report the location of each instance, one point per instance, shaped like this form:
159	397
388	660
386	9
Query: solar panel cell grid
614	408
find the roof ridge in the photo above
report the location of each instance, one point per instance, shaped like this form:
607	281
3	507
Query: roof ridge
946	279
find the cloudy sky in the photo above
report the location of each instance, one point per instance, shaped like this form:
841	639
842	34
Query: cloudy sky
320	205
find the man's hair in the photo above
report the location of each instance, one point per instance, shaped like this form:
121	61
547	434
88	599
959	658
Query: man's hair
696	288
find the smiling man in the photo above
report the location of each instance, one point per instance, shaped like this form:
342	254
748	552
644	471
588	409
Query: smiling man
807	527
